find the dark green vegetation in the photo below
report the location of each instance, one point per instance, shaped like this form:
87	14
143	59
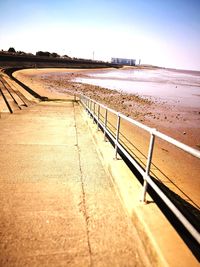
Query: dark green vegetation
46	60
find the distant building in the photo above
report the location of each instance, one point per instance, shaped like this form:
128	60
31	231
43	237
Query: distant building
123	61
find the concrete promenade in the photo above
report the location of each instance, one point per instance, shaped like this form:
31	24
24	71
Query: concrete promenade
58	204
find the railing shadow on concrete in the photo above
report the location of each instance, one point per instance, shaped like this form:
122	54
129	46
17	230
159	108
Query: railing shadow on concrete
176	205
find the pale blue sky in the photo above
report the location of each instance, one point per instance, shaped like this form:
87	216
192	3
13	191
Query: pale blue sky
164	33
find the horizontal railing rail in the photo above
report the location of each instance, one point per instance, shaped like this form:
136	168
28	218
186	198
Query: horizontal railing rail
91	106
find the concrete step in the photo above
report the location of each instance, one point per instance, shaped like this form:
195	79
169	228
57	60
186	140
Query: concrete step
3	106
9	99
23	94
21	99
25	102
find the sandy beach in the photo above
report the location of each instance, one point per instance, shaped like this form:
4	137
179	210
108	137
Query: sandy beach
176	120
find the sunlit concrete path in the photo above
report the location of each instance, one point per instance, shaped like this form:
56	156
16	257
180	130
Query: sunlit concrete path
58	205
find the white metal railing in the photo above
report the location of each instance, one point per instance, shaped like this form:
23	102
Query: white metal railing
90	106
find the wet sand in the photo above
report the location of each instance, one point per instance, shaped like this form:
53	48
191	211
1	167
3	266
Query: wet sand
178	171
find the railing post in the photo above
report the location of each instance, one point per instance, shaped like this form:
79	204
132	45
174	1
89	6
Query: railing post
105	124
98	114
148	167
117	134
94	113
87	104
90	109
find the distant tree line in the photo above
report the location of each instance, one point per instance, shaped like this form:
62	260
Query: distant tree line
12	50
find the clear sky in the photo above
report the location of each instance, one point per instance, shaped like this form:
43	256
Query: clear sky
159	32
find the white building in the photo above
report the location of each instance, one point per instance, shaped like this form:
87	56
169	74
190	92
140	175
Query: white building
123	61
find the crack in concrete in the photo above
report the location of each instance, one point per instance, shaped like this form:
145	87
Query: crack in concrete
83	202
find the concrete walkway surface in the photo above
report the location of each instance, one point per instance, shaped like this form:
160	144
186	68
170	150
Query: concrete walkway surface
58	204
